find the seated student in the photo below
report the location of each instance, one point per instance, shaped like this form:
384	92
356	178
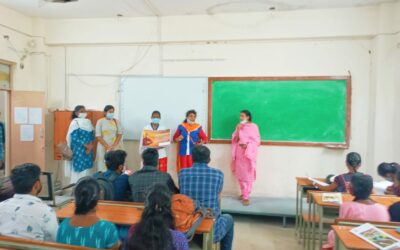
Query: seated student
6	189
25	215
84	228
394	211
204	185
155	231
115	162
142	180
388	172
362	207
342	182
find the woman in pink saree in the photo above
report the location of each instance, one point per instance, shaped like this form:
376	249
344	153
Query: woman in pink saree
245	143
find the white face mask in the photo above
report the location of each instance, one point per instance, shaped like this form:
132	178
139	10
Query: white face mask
82	115
189	122
243	122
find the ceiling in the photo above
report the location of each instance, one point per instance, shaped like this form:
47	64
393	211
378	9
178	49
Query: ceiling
137	8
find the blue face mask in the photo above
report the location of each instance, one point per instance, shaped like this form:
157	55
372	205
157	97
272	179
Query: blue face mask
110	116
155	120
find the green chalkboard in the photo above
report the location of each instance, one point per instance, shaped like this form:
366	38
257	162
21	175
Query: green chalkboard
312	111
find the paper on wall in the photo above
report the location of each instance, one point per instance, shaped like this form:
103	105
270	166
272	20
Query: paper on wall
35	116
26	133
20	115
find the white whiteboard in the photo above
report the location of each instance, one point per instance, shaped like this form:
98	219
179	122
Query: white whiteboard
172	96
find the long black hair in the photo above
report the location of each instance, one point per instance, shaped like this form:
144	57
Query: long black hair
87	194
388	168
362	186
247	113
192	111
153	230
76	109
353	160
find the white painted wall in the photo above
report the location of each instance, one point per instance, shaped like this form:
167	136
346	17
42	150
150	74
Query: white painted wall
89	55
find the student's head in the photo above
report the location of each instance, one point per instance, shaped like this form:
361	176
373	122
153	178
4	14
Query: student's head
245	115
361	186
25	179
87	194
201	154
150	157
155	117
79	112
109	112
190	116
115	160
353	161
152	232
388	170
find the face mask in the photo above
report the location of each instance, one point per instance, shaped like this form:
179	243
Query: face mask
82	115
189	122
110	116
155	120
243	122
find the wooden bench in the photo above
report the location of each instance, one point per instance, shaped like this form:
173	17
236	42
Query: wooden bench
19	243
128	213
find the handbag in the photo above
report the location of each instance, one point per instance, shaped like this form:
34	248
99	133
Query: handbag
65	151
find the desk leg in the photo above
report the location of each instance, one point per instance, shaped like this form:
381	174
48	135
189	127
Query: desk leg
208	240
297	212
321	225
312	218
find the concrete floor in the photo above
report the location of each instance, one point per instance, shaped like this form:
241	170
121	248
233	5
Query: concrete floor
261	233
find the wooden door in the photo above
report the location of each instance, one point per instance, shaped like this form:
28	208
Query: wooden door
27	128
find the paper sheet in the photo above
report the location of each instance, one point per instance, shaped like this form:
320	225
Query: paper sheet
35	116
318	182
20	115
26	133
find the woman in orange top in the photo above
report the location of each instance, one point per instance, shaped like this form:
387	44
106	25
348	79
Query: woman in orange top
188	134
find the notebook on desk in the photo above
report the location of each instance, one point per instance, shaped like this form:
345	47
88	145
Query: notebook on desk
47	193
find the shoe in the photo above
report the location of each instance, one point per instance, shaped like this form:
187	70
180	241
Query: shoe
241	197
245	202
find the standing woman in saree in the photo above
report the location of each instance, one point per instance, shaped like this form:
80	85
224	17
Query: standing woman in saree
188	134
245	143
80	139
109	135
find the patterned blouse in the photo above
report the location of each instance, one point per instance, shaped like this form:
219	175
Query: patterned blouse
26	216
101	235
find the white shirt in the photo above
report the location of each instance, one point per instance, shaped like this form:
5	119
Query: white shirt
27	216
162	152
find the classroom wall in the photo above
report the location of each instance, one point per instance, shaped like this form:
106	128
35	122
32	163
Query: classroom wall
88	56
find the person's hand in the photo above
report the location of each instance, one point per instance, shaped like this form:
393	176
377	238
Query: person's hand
237	138
179	138
239	126
244	146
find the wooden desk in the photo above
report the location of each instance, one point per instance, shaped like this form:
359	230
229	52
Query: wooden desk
318	206
303	183
127	214
346	240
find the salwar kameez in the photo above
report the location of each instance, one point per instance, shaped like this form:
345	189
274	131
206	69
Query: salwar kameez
80	132
109	130
244	159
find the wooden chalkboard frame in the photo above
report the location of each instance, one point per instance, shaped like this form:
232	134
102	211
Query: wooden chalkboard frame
283	78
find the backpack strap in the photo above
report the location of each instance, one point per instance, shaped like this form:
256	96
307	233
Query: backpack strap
191	232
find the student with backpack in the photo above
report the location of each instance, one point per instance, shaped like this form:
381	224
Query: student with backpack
114	182
204	185
156	230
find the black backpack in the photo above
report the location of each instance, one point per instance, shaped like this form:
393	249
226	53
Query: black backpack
106	185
